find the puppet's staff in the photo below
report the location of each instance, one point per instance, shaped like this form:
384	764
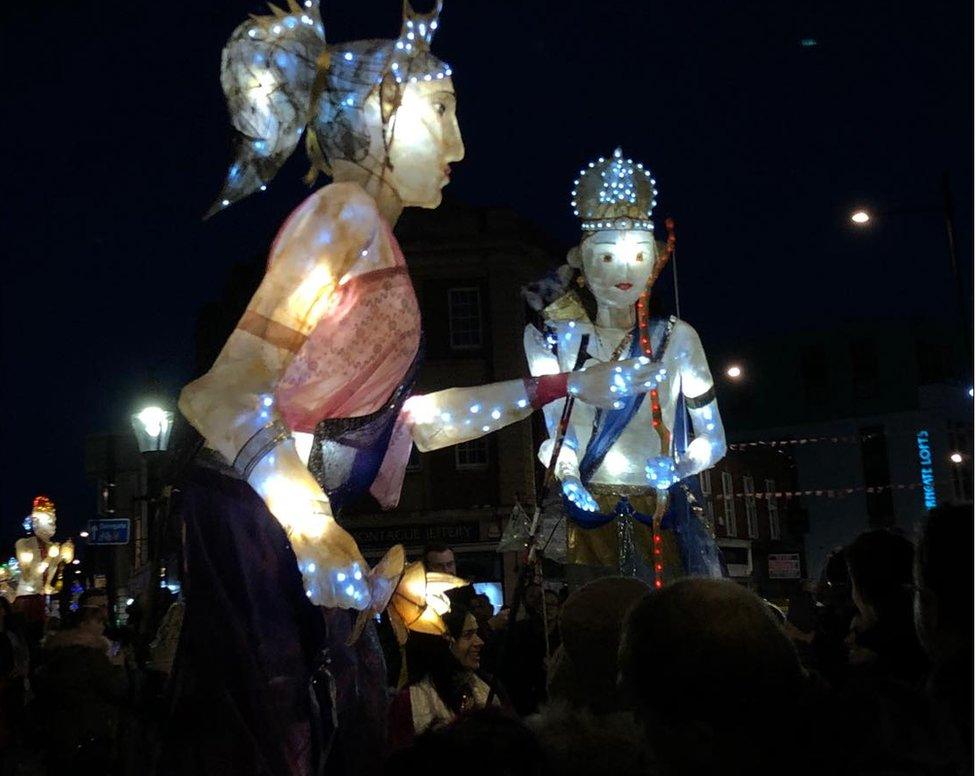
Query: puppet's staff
529	567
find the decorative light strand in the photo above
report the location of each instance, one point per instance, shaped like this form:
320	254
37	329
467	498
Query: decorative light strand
825	492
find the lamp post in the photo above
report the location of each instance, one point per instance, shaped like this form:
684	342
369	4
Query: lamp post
152	423
861	218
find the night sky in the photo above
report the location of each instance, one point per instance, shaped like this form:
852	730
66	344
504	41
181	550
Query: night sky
117	141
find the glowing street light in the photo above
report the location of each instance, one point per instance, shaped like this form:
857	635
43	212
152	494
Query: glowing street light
862	217
83	534
956	457
734	371
152	425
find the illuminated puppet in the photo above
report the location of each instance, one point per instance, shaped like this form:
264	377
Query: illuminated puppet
39	560
331	341
620	468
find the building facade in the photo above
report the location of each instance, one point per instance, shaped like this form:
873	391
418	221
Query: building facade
760	530
877	425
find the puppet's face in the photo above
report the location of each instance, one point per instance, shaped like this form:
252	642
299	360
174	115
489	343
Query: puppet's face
44	524
424	140
617	265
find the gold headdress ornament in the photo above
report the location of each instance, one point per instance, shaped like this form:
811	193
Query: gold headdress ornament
43	504
614	193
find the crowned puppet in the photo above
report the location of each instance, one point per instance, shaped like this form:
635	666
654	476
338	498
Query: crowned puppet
39	560
623	469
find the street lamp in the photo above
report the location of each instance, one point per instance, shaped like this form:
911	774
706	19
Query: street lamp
863	217
956	457
734	371
152	425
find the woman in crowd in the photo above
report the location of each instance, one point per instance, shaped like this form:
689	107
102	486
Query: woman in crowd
443	679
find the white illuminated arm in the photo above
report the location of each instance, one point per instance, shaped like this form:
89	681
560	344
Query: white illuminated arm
233	407
457	415
708	447
542	361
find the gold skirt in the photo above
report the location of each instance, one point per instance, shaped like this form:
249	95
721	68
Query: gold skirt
605	547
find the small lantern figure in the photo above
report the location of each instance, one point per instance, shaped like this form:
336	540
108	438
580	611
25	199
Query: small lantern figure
420	599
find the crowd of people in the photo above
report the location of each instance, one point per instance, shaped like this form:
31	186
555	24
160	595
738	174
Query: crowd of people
79	693
871	672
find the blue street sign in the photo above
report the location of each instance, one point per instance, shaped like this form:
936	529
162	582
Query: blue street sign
108	531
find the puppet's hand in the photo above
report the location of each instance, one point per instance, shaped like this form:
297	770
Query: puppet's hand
661	472
605	385
577	493
333	570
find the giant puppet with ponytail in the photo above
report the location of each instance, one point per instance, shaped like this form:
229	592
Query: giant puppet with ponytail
626	471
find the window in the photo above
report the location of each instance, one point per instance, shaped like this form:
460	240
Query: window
728	498
709	512
773	506
933	361
464	318
708	507
864	368
752	516
814	370
705	479
877	476
471	455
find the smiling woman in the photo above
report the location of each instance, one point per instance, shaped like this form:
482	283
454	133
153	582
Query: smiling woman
443	682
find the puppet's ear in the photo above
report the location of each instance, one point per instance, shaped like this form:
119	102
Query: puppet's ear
575	257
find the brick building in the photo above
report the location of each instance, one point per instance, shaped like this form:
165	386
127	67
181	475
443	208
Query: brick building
760	533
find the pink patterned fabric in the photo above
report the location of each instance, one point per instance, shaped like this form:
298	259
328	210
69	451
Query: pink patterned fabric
358	353
389	480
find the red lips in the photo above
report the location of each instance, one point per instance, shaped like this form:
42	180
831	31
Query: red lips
625	286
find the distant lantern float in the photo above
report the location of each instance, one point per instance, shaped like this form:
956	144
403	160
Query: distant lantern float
734	371
39	559
860	217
